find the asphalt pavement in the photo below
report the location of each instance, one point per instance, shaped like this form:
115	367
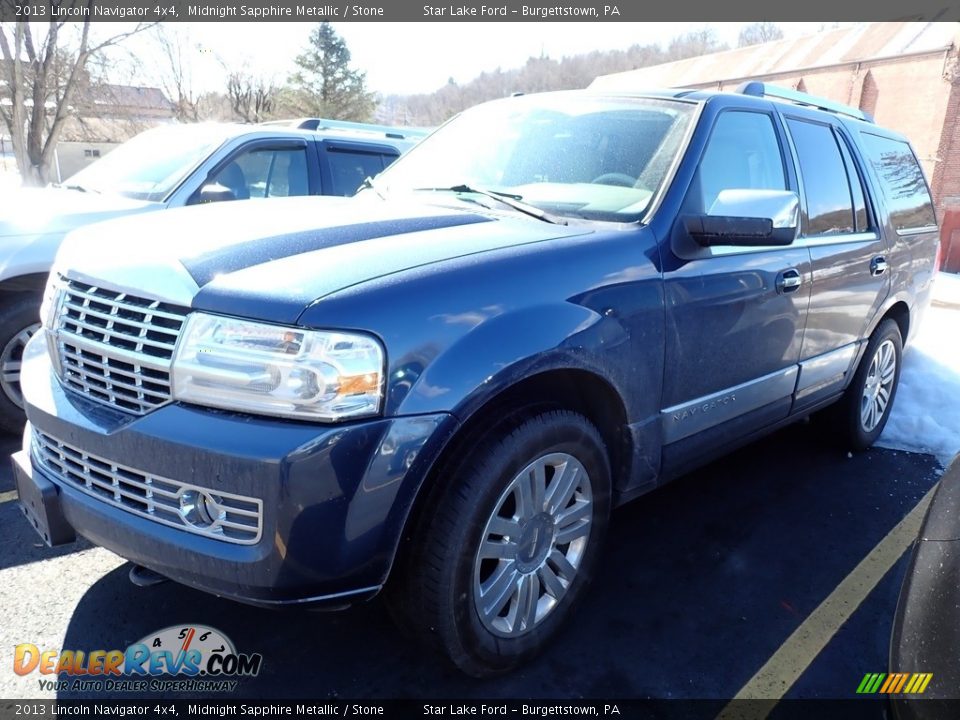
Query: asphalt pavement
702	581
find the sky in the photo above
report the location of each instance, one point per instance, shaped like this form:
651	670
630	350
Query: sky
405	58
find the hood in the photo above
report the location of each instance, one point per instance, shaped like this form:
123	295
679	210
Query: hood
270	259
46	211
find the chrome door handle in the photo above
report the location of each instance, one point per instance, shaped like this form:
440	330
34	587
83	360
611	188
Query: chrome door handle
878	266
788	281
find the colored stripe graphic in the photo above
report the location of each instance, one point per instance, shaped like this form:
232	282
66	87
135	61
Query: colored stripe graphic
903	680
891	681
894	683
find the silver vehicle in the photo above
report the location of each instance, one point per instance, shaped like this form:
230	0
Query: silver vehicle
168	167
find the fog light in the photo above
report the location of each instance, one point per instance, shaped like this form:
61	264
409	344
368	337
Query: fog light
199	509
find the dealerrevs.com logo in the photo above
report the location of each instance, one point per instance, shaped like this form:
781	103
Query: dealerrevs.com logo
177	658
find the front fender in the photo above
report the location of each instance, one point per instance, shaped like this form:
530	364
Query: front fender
28	254
507	348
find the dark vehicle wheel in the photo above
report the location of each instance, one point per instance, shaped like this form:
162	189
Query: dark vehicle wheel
18	322
512	543
863	412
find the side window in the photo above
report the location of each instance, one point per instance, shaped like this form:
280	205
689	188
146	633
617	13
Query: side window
856	188
824	178
349	169
262	173
742	154
387	159
902	180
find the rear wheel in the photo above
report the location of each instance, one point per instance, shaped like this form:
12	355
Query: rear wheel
512	544
865	408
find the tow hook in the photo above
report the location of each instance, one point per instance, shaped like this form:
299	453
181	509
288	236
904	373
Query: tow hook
145	577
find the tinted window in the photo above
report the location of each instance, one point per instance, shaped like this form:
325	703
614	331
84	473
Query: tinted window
265	173
387	159
824	177
349	169
856	188
902	181
742	154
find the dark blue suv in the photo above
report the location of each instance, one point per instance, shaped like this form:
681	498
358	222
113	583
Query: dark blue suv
440	387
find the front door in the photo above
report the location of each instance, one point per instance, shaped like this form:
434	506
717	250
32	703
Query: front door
734	315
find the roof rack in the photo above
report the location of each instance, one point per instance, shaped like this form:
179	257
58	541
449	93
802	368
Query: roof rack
391	131
759	89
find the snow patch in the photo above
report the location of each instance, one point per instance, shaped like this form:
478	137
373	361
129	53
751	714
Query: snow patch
9	179
926	412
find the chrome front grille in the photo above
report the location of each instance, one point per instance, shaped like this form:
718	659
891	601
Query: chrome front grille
116	348
225	516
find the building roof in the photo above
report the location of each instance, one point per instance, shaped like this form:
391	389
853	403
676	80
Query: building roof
862	42
126	96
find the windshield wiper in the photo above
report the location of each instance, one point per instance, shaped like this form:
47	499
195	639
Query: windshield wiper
367	184
508	199
74	186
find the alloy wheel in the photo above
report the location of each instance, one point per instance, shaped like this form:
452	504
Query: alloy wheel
11	358
878	386
532	544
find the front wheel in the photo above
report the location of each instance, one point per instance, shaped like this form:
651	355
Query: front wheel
512	543
865	408
19	320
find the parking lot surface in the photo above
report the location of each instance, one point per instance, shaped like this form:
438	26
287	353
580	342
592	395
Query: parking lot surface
703	581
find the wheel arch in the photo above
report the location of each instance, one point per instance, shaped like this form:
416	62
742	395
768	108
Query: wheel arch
30	283
574	389
899	312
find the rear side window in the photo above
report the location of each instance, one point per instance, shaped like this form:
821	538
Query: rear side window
902	180
824	176
349	169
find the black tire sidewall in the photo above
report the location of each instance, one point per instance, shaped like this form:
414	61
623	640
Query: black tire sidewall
478	650
16	315
859	438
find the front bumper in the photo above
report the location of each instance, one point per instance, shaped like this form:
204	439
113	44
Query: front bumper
334	498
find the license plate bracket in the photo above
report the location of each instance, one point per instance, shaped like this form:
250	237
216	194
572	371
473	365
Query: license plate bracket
40	503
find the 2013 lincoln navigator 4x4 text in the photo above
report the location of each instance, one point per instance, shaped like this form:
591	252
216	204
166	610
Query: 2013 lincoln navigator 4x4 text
440	387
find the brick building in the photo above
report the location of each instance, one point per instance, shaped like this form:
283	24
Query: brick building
906	74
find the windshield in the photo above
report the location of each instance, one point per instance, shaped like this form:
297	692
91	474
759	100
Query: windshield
570	155
152	164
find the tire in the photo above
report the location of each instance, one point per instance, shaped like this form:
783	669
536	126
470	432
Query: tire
860	416
466	578
19	320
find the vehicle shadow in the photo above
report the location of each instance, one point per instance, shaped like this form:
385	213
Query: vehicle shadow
19	542
700	584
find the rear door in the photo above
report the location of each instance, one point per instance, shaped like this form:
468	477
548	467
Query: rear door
345	165
849	263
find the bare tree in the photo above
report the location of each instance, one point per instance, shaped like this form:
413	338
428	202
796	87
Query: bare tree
252	98
759	32
694	44
43	73
176	77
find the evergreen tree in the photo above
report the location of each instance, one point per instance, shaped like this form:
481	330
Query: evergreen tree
325	85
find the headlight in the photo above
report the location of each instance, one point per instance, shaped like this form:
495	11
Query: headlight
273	370
50	306
50	309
